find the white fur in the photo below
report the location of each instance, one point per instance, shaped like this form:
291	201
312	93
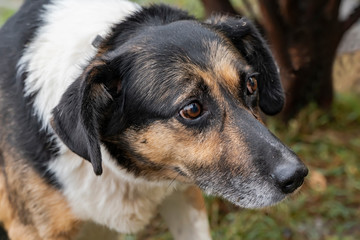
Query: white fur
116	198
184	221
53	61
55	57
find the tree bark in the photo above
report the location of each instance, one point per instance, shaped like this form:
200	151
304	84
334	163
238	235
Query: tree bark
304	36
218	6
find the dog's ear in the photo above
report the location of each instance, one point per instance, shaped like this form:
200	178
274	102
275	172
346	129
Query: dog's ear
76	118
248	41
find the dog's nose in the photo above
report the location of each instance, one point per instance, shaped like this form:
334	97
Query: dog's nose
289	176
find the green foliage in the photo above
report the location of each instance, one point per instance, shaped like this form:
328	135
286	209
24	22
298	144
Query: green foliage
193	6
5	13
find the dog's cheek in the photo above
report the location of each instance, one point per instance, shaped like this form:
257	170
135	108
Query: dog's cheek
173	150
231	158
171	145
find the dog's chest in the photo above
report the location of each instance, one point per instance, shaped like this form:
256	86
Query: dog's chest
115	199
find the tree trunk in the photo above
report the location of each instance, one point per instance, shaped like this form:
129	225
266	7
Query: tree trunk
312	82
308	77
304	35
218	6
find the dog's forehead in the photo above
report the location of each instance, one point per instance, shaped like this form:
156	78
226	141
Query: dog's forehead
198	43
185	48
186	34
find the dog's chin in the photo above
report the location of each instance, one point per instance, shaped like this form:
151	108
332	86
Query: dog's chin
266	196
257	202
252	198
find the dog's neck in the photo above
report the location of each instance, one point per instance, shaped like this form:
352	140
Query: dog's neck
95	198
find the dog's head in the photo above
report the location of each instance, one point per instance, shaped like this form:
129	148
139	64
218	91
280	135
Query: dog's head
173	98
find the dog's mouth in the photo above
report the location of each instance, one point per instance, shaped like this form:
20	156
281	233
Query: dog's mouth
252	186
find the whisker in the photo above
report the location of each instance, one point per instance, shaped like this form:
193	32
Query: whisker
172	181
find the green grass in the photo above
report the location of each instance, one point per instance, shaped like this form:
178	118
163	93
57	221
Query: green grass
194	7
5	14
329	142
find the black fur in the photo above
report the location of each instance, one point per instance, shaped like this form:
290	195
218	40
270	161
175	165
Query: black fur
83	115
155	15
19	127
3	234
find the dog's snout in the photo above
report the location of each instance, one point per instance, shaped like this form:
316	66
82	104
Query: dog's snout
289	176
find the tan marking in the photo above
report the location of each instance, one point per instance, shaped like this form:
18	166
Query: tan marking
18	231
162	137
237	151
171	145
44	209
211	81
102	49
6	213
92	69
98	92
195	198
229	75
221	70
222	60
247	68
217	19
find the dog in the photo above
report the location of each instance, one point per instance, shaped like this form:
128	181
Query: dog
112	113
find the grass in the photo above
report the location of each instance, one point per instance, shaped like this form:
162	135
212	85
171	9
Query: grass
195	7
5	13
328	205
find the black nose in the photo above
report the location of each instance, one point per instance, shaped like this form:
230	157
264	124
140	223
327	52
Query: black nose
289	176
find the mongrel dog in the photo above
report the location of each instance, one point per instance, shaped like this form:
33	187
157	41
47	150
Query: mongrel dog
111	112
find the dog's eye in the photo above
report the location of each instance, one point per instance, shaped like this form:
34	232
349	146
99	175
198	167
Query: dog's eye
251	85
191	111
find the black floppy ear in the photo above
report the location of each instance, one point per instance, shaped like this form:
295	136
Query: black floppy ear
248	41
76	118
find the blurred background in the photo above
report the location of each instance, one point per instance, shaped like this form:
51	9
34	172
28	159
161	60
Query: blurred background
317	46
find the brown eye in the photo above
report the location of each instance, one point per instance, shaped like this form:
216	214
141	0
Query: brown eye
191	111
251	85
